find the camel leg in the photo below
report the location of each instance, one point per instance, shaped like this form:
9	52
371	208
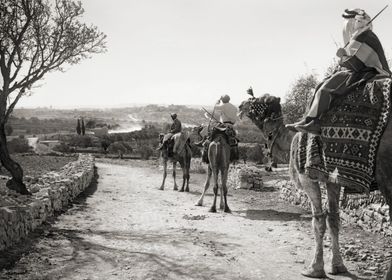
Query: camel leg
222	203
316	268
187	179
183	177
206	186
175	188
215	174
164	175
187	170
224	189
333	221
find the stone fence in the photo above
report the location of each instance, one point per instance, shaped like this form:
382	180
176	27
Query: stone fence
246	176
370	212
20	215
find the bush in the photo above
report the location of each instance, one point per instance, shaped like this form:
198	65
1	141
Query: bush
81	141
64	148
119	148
19	145
251	152
146	152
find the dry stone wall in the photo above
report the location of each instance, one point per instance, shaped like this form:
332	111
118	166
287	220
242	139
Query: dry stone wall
370	212
51	193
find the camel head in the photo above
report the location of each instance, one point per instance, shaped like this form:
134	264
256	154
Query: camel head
261	109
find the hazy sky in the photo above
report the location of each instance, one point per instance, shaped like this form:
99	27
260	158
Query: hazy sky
193	51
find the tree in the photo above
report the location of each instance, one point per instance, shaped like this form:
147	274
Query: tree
37	37
299	97
91	124
78	128
8	130
83	127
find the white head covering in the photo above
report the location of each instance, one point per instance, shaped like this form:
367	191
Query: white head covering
356	22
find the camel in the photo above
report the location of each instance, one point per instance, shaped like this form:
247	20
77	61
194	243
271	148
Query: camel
181	153
270	121
219	161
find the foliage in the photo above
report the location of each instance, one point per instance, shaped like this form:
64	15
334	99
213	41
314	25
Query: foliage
251	152
81	141
78	128
19	145
146	152
299	97
83	128
64	148
120	148
37	37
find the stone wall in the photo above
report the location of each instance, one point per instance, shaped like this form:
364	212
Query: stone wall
20	215
370	212
245	177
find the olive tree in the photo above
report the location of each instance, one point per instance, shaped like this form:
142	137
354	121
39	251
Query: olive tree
37	37
299	97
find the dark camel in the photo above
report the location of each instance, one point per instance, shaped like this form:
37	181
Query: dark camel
182	154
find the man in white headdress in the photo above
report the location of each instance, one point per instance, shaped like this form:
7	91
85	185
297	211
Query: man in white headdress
360	60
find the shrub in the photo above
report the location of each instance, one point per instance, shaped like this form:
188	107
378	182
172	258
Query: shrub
64	148
146	152
119	148
251	152
81	141
19	145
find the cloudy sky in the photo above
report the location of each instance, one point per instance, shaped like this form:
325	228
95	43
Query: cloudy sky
193	51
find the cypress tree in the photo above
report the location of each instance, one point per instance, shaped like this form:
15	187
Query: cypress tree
78	129
83	127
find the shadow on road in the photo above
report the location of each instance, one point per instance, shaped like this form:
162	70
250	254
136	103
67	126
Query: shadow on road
272	215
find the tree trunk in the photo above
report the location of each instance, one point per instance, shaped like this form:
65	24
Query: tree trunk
16	182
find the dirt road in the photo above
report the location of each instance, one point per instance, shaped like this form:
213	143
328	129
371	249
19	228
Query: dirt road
123	227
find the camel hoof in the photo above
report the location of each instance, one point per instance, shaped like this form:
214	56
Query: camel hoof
199	203
212	210
175	189
338	269
161	188
221	207
181	190
227	210
187	190
314	273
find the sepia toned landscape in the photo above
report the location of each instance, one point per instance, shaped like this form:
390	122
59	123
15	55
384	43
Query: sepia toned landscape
195	140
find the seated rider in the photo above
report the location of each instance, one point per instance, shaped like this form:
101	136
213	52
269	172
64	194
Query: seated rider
360	60
225	114
174	128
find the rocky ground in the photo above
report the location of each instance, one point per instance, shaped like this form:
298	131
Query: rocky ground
123	227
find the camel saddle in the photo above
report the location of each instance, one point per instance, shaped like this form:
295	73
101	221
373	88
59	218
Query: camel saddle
351	131
229	134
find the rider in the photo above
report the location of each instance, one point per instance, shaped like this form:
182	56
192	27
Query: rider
174	128
360	60
226	114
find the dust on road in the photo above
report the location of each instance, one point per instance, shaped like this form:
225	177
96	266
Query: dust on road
123	227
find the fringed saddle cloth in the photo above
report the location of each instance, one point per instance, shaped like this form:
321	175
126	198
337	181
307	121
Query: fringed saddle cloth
350	135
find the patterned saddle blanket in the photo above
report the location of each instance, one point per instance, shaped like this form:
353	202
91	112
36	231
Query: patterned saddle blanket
350	135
